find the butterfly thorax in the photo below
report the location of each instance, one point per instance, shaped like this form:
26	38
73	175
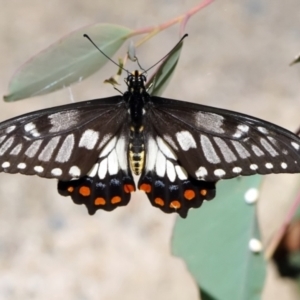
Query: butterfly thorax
136	97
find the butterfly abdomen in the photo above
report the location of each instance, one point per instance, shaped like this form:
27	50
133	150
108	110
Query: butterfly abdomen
136	149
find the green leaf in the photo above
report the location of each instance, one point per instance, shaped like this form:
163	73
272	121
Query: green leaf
214	242
159	81
68	61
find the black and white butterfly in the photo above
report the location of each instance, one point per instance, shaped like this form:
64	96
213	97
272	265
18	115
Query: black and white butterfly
179	149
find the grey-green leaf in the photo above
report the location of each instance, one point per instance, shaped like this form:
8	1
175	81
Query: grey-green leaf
68	61
214	242
159	81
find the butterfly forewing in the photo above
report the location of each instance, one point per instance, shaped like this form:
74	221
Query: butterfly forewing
61	142
214	143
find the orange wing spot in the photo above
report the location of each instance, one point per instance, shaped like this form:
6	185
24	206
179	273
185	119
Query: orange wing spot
84	191
70	189
115	200
145	187
189	194
203	192
128	188
175	204
99	201
159	201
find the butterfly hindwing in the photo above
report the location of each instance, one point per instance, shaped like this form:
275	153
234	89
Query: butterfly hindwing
213	144
109	182
166	183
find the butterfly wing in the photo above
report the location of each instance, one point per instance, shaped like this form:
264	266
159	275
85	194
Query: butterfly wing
109	182
84	145
212	143
166	182
61	142
189	147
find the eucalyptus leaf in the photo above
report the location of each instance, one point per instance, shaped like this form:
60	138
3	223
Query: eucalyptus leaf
159	81
214	242
68	61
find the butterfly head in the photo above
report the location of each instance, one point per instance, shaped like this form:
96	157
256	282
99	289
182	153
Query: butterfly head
136	82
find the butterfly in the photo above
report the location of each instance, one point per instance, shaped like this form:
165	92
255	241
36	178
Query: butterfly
178	149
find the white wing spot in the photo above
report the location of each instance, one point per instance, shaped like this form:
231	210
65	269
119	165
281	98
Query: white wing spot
209	121
251	196
16	150
225	150
170	141
219	172
181	172
240	149
272	140
185	140
208	150
93	170
253	167
241	130
112	161
38	169
56	171
262	130
244	128
283	165
237	170
2	138
171	171
66	149
74	171
31	129
104	140
201	172
47	152
108	148
151	154
6	164
10	128
295	145
122	153
165	149
102	169
33	148
63	120
160	165
6	145
21	166
89	139
257	151
268	147
29	126
269	165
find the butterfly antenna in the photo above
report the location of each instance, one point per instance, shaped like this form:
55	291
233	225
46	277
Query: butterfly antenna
138	63
167	53
86	36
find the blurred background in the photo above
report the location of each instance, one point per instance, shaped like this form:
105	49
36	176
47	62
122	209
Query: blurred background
236	57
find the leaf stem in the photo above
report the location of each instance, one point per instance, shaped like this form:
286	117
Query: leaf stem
182	19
